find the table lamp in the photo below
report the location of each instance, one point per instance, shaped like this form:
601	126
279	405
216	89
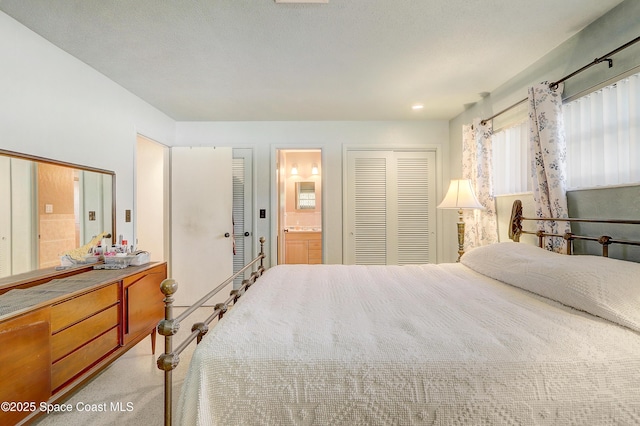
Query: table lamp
460	196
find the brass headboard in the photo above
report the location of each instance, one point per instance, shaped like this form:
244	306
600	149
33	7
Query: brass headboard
515	230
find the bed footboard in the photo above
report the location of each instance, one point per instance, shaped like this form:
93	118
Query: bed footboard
169	326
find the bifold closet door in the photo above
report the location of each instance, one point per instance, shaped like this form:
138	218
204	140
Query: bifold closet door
390	207
201	223
242	211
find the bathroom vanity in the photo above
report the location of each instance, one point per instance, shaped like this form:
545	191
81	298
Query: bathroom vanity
303	247
58	329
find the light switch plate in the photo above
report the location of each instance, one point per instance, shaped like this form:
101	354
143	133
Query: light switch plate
127	215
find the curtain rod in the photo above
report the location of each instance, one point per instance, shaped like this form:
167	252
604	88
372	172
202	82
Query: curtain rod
554	85
596	62
483	122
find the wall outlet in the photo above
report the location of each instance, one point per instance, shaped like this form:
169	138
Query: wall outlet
48	208
92	215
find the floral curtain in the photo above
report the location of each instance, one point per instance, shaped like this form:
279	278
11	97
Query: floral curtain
481	226
548	160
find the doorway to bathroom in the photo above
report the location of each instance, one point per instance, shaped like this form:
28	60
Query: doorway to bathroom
299	182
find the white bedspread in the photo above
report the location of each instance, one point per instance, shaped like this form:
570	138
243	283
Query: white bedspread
432	344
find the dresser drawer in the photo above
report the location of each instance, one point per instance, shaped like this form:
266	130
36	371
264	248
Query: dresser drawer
76	362
71	338
72	311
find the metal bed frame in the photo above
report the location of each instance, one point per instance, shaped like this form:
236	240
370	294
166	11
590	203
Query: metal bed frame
515	230
169	326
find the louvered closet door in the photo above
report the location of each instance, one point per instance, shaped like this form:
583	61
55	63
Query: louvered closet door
242	209
391	203
366	208
416	207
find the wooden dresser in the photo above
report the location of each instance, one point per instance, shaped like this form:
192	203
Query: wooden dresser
80	321
303	247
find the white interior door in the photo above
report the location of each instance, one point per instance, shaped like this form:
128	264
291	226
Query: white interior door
415	202
390	208
201	223
5	217
242	211
367	203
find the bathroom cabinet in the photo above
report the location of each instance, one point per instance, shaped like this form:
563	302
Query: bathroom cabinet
303	247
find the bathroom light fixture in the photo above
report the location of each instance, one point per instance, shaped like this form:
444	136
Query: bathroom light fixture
294	169
314	169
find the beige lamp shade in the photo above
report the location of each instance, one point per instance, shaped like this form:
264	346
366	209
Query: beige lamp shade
460	196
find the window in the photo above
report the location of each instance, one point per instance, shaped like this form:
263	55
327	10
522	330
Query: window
603	142
511	166
603	136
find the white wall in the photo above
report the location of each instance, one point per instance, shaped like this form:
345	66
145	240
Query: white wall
54	106
265	137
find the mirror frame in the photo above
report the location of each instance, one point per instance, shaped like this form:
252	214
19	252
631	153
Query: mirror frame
7	153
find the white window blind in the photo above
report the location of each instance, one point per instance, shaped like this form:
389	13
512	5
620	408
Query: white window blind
511	165
603	136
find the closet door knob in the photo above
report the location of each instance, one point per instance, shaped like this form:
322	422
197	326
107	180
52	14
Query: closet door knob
246	234
227	235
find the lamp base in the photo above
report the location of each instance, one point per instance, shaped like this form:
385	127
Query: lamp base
460	235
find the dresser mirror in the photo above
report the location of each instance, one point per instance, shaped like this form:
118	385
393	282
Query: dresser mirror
48	207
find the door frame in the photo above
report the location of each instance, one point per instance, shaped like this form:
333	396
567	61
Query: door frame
274	231
166	191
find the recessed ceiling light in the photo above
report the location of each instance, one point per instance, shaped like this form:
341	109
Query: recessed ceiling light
417	107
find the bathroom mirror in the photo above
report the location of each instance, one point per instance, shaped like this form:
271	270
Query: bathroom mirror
305	195
48	207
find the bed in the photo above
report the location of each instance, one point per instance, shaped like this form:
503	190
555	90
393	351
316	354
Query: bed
512	334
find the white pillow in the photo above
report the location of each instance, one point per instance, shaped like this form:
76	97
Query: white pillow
607	288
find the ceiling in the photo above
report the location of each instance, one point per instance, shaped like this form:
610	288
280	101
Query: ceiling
228	60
